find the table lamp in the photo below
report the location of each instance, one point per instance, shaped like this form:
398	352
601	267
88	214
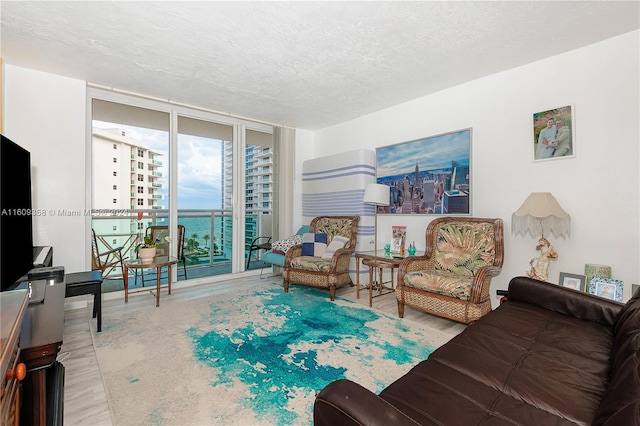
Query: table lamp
377	195
539	214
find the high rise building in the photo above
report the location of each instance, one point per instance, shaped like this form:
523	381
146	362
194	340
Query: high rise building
258	190
125	177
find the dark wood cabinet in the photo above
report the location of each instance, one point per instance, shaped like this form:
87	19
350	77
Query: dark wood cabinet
12	310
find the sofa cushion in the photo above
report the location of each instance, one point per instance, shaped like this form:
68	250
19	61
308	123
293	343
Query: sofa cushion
314	244
463	248
311	263
282	246
448	285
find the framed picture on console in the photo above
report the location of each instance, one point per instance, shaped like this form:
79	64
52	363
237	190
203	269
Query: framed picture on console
607	288
576	282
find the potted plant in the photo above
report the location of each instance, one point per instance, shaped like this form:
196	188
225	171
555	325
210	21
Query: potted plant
147	249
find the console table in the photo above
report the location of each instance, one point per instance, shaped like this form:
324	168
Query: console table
13	305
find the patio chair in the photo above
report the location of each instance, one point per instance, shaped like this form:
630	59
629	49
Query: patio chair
105	261
159	232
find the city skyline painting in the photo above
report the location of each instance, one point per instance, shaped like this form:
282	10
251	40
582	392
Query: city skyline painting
427	176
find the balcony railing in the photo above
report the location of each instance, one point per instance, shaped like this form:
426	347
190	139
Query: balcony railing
204	239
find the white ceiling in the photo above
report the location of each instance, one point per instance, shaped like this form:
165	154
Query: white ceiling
302	64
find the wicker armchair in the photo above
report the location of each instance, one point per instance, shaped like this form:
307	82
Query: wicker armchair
318	272
453	277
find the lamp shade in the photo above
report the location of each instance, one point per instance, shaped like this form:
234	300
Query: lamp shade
376	194
541	213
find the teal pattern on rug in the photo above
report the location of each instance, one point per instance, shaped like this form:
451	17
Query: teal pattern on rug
293	344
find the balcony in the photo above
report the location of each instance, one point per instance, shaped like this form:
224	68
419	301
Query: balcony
206	247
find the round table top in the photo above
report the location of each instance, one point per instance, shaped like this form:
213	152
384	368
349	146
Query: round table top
153	263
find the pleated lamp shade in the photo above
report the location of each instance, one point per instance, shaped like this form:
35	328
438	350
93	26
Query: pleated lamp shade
541	214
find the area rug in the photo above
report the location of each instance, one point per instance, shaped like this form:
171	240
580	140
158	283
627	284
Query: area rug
250	357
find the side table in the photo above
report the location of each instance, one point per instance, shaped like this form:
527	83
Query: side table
157	262
382	260
377	266
90	282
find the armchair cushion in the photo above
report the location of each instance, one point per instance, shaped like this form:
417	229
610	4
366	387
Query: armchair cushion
464	247
336	243
282	246
457	286
332	226
311	263
314	244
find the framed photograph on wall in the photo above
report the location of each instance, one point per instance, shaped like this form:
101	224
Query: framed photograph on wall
607	288
553	134
429	175
576	282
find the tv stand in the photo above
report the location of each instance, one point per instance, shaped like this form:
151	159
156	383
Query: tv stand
40	341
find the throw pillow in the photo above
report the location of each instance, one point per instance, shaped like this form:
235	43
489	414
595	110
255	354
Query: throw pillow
337	243
282	246
314	244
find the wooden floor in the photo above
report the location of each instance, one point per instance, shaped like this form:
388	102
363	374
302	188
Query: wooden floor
85	401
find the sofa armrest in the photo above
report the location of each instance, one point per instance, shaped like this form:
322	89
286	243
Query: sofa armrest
344	402
564	300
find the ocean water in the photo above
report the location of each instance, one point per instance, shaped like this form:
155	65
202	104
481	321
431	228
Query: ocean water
200	226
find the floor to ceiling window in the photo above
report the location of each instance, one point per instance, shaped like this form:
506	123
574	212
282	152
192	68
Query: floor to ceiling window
205	171
157	164
259	172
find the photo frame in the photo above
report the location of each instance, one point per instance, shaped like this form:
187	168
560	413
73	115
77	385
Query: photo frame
554	134
398	237
427	176
574	281
607	288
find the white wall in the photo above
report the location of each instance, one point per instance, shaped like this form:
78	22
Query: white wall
46	115
599	188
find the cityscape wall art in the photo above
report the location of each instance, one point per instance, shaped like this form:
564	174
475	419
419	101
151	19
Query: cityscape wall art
427	176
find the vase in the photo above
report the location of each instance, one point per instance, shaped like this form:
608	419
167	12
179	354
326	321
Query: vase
147	254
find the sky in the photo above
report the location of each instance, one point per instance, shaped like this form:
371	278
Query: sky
199	165
434	152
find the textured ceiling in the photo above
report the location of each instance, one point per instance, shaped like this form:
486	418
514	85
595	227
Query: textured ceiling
301	64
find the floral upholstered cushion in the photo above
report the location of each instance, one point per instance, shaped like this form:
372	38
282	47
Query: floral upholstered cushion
457	286
463	248
281	246
333	226
310	263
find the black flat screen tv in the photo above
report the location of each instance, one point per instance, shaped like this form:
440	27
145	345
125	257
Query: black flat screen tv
16	228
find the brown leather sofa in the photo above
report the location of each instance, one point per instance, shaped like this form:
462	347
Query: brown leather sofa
547	356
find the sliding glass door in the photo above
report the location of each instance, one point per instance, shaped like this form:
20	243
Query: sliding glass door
205	188
154	163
